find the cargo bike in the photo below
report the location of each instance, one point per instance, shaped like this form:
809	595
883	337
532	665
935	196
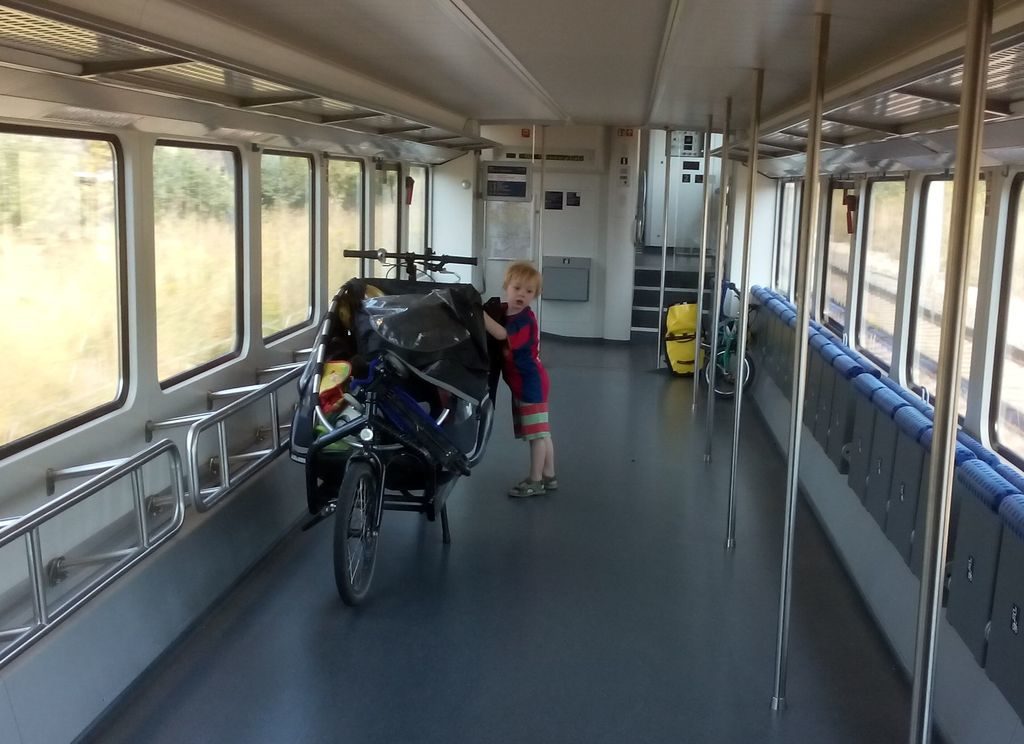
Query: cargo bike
396	403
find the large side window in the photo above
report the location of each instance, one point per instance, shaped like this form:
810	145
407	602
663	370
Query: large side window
880	269
287	240
929	288
62	290
1008	402
385	210
837	257
789	228
198	257
344	220
418	209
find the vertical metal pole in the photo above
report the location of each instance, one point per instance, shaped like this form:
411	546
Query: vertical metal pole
139	497
801	294
664	248
275	424
741	351
705	223
540	221
222	448
972	110
719	268
38	573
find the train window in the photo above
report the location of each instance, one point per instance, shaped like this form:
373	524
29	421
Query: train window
62	283
287	242
197	238
385	208
789	229
880	269
837	257
1008	408
931	282
344	219
418	210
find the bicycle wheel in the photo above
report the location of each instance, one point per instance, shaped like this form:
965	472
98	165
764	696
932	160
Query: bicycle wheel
355	534
725	376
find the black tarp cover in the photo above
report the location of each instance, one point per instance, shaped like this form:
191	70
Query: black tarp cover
438	329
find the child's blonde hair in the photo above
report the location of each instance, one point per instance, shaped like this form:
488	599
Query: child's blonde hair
523	271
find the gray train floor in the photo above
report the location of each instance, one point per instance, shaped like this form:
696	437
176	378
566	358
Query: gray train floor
605	612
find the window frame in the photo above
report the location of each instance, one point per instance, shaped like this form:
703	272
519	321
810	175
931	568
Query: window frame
428	249
396	166
123	329
863	260
826	320
1005	287
362	208
239	262
797	202
915	285
311	297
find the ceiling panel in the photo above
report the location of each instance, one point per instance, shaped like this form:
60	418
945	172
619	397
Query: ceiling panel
423	47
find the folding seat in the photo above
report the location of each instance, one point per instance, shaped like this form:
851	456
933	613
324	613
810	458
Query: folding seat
883	449
840	428
815	361
901	503
788	350
1005	659
973	575
960	455
980	451
830	375
867	364
859	450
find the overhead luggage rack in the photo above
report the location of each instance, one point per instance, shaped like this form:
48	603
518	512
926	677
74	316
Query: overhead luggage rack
30	39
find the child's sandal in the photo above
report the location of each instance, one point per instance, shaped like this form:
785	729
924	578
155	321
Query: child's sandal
551	484
527	488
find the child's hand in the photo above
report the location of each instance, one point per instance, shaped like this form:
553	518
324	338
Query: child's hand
494	328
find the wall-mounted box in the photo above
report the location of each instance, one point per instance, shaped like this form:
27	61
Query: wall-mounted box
566	278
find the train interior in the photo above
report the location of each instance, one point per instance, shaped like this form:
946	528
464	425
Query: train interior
178	185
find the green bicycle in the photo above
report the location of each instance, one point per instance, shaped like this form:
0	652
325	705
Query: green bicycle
724	373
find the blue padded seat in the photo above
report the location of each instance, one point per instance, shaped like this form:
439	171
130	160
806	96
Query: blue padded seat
841	416
883	450
980	451
826	386
976	552
897	515
960	455
814	346
859	450
818	351
917	402
1005	658
1011	474
867	364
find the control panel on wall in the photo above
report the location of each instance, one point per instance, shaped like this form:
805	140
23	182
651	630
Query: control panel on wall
687	144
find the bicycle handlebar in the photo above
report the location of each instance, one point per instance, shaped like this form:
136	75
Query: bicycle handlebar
425	259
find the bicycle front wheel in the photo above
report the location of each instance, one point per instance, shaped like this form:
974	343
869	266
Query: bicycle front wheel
725	374
355	532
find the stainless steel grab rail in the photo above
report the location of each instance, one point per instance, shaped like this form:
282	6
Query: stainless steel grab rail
45	618
205	498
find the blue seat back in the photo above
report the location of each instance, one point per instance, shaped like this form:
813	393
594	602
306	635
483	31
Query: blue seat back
846	367
911	422
984	483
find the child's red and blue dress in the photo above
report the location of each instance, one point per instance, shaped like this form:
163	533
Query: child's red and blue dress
526	376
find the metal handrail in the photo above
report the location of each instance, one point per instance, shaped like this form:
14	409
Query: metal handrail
29	525
205	498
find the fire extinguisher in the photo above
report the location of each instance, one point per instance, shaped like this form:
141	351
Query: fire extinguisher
410	182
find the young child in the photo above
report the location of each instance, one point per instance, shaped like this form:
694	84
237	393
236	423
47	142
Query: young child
526	377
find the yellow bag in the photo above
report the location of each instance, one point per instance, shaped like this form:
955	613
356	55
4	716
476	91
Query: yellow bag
681	338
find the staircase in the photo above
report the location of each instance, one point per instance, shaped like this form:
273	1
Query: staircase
681	277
